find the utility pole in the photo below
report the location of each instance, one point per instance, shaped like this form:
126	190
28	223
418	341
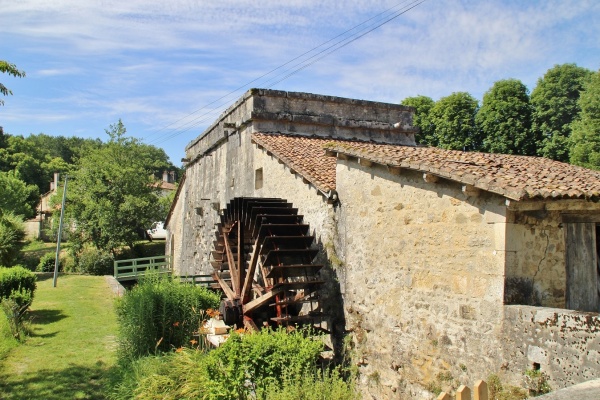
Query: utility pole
60	225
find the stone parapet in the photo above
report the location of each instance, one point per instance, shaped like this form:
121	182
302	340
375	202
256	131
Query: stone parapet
308	115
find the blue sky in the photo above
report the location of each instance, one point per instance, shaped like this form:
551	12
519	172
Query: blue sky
154	63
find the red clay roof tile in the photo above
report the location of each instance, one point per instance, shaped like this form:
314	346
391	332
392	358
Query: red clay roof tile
515	177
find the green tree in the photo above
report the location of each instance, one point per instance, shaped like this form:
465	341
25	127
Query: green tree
15	195
112	194
554	102
12	234
422	106
454	120
585	137
11	69
504	119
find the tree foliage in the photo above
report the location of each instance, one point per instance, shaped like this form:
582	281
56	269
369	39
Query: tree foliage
454	120
555	106
10	69
421	120
112	193
585	137
504	119
15	195
12	232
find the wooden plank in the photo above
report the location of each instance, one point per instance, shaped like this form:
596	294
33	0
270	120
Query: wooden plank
582	270
232	264
261	301
581	218
480	390
226	289
250	273
240	264
463	393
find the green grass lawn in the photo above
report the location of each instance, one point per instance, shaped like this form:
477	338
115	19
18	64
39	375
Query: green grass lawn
71	349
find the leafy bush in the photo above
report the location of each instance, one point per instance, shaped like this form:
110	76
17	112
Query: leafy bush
142	249
263	366
94	262
17	283
17	286
255	363
160	315
47	262
12	232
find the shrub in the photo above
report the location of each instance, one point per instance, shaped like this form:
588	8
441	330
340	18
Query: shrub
17	286
256	363
17	283
95	262
160	315
263	366
47	262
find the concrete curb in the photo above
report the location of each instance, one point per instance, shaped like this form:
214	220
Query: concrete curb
115	285
589	390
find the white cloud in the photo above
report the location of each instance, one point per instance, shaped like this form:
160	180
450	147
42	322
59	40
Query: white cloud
154	62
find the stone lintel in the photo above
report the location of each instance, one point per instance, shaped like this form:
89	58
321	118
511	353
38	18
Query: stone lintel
553	205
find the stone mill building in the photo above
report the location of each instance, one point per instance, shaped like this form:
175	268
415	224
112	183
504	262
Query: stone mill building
437	263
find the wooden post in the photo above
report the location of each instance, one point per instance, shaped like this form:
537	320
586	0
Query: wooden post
444	396
463	393
481	390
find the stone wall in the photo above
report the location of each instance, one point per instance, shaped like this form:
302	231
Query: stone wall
423	282
535	259
561	343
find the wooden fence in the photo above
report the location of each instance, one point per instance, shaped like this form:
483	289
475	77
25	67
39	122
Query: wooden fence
132	269
201	280
480	392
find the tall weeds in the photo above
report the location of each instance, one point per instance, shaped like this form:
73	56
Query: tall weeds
159	315
267	365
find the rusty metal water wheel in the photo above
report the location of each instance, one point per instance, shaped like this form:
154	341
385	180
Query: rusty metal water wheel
263	264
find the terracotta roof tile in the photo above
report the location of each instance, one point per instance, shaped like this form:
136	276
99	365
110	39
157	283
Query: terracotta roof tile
516	177
305	155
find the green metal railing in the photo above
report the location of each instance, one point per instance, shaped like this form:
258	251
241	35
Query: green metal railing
133	268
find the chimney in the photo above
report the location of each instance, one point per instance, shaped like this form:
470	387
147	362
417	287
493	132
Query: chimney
54	184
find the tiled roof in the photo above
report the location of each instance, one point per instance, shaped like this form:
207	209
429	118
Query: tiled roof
515	177
305	155
165	185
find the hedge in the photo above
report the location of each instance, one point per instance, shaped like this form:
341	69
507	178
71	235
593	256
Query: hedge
17	283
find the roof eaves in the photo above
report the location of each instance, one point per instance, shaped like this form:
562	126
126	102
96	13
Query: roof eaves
462	177
315	181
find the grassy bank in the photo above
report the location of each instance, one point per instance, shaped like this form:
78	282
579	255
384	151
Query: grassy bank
72	345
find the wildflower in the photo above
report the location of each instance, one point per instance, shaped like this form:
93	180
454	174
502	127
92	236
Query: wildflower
176	323
179	350
193	342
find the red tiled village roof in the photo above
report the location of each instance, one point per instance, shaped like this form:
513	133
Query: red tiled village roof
305	155
515	177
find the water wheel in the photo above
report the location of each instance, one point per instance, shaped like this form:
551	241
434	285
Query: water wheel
262	262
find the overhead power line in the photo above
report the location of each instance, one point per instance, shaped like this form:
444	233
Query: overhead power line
285	71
